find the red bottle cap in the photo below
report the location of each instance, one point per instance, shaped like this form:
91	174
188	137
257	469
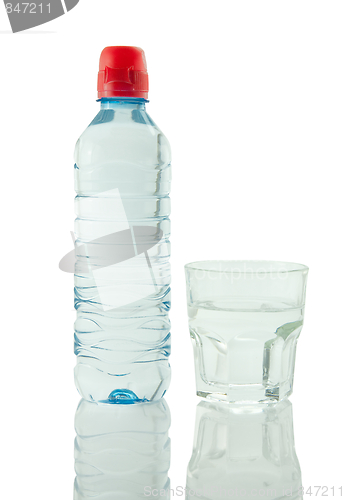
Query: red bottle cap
123	73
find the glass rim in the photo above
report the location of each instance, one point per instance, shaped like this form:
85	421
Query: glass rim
269	267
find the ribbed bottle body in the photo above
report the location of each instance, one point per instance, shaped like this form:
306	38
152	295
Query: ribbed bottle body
122	272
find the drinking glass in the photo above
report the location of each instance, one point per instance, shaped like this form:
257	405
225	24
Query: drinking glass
245	318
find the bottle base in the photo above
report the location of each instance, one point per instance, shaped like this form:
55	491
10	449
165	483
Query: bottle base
123	397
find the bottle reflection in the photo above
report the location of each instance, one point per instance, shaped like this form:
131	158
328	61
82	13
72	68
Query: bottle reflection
121	451
244	452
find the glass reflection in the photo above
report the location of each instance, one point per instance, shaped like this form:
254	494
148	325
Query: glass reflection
244	452
121	451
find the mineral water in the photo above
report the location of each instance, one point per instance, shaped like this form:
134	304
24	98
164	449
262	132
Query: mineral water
122	229
244	351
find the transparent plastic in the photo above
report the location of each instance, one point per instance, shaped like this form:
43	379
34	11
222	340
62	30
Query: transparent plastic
122	272
245	318
121	451
244	452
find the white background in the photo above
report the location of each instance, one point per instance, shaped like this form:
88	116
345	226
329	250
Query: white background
252	96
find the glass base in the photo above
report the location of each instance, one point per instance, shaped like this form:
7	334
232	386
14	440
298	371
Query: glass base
248	395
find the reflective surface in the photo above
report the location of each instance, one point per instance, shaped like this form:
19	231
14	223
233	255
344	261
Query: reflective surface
243	452
121	451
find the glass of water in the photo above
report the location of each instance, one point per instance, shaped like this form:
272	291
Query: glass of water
245	318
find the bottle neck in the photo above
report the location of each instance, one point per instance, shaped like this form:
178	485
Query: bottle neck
129	103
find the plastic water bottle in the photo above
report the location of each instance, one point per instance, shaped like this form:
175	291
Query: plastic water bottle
122	452
122	271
